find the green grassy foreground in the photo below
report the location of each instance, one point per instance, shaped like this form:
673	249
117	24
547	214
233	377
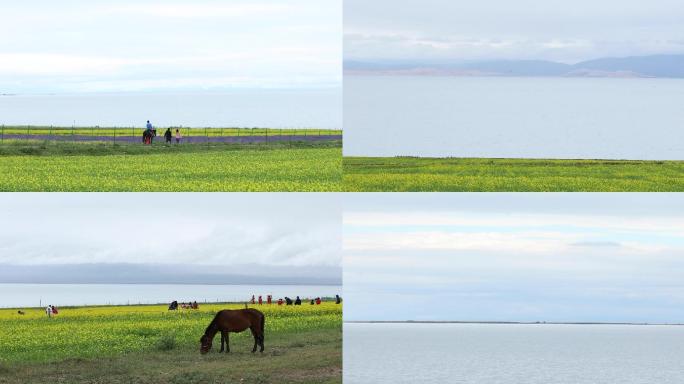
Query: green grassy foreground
148	344
510	175
278	166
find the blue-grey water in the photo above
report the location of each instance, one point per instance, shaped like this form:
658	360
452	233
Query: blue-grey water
34	295
512	354
272	108
514	117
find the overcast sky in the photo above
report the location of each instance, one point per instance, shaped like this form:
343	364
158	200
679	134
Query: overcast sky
514	257
127	45
560	30
273	229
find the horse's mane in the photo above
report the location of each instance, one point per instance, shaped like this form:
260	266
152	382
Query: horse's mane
212	325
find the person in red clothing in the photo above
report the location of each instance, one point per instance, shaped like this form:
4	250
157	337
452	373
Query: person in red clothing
260	301
268	299
318	301
280	301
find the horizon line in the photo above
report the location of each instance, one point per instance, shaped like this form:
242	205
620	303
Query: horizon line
504	322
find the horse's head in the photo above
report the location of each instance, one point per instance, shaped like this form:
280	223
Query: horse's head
205	344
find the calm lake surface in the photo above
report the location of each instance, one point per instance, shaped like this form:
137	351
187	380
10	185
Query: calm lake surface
514	117
34	295
316	108
530	354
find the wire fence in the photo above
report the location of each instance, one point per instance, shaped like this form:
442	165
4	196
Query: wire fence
131	135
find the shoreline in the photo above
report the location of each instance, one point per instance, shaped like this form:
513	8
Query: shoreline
446	158
324	299
504	322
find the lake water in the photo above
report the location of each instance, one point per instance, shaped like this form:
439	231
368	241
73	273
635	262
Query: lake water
314	108
34	295
514	117
512	354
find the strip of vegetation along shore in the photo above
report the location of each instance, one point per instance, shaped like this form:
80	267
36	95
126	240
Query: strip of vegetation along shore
150	344
38	165
50	131
412	174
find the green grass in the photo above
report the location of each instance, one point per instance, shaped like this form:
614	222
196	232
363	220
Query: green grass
148	344
510	175
185	131
280	166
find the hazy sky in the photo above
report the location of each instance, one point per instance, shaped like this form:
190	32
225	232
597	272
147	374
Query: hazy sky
126	45
273	229
514	257
561	30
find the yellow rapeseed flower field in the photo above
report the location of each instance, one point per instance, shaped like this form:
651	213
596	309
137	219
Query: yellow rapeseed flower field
90	332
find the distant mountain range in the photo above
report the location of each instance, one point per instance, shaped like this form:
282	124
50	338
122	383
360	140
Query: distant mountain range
667	66
169	274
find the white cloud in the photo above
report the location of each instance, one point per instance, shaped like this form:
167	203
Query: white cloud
530	242
514	257
196	229
199	10
522	29
643	223
95	46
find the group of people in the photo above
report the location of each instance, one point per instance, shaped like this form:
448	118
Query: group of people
189	305
288	301
255	300
51	310
151	132
269	300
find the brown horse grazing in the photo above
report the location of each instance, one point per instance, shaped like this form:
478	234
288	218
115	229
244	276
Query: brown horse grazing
237	320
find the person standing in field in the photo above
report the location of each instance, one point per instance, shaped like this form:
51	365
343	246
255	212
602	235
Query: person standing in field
48	311
167	135
178	136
